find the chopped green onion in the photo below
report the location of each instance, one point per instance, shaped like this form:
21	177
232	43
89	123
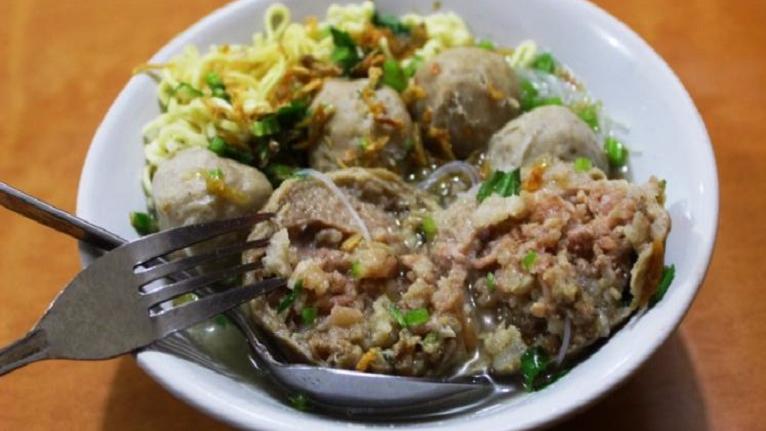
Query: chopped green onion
416	317
341	38
215	174
308	315
491	284
299	402
356	269
217	145
528	95
582	164
220	147
544	62
184	299
589	114
363	143
393	75
391	22
529	98
529	260
429	228
345	57
345	53
548	101
487	187
486	44
278	172
413	66
216	85
266	126
616	152
510	184
668	273
221	94
293	113
214	80
534	362
221	320
394	311
409	144
291	296
502	183
284	118
185	92
431	338
143	223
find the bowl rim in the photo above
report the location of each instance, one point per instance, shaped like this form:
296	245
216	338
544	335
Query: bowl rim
161	366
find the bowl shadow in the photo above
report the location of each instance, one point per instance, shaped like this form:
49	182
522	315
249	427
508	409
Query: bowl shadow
664	394
136	402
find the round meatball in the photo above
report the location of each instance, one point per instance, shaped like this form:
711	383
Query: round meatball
367	127
548	130
469	94
197	186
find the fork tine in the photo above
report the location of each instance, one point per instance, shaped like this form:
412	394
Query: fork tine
186	315
172	290
165	242
164	269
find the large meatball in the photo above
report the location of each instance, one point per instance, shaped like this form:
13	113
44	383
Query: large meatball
549	130
560	265
368	127
197	186
469	94
374	305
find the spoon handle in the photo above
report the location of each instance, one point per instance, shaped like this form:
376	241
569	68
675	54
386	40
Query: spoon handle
48	215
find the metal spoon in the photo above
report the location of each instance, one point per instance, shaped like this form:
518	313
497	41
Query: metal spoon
339	391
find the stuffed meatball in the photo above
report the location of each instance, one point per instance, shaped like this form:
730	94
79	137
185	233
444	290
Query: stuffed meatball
469	93
560	265
361	294
549	130
365	126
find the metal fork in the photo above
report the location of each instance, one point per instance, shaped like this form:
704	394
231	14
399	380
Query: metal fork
340	391
105	311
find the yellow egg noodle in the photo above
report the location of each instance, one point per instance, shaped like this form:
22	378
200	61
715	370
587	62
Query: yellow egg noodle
250	72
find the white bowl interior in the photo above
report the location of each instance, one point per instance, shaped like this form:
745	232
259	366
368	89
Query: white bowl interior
667	137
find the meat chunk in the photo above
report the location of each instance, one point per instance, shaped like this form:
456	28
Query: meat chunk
546	131
469	94
367	127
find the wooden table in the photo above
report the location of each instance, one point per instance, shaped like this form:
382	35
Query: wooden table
63	62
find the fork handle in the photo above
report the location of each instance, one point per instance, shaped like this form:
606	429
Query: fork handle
33	347
35	209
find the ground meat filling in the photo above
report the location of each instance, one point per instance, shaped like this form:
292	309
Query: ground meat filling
375	306
568	260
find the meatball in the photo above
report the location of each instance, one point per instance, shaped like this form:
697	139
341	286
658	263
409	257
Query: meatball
371	305
570	258
197	186
368	127
549	130
469	94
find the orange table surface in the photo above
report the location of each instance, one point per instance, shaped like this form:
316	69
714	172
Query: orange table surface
63	62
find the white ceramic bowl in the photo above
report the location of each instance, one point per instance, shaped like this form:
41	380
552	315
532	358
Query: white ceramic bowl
637	88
